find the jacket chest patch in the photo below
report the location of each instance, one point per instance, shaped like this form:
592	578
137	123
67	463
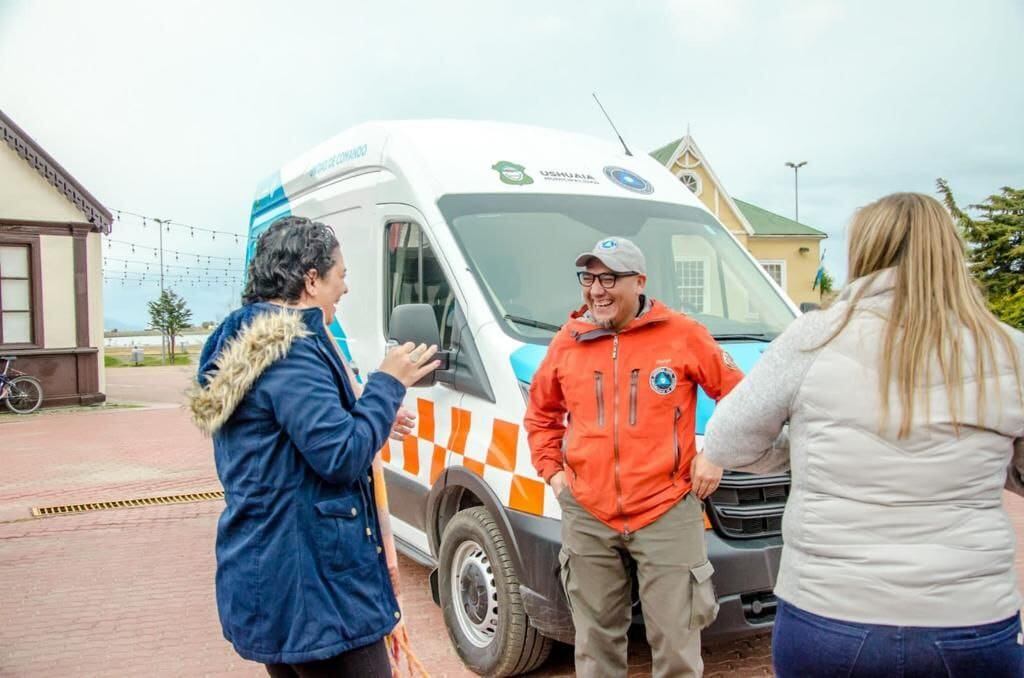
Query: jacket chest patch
729	362
663	380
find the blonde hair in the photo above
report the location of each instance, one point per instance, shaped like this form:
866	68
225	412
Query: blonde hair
936	302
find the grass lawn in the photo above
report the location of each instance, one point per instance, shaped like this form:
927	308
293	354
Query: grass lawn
119	359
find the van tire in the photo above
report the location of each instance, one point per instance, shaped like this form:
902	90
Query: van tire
512	645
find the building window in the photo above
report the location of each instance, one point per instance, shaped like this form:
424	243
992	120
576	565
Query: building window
777	270
15	295
691	275
691	181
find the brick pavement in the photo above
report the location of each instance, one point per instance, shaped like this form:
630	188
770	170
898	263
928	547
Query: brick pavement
130	591
163	385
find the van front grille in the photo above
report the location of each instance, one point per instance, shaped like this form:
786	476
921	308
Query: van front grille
746	506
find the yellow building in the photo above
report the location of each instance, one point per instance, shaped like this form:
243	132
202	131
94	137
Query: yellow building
789	251
51	272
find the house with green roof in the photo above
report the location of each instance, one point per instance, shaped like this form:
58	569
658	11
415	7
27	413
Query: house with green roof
788	250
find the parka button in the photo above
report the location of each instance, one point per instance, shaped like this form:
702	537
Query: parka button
397	615
369	532
354	511
379	549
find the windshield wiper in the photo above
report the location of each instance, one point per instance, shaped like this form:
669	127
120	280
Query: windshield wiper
533	323
751	336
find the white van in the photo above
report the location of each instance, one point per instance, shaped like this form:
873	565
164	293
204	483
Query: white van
481	222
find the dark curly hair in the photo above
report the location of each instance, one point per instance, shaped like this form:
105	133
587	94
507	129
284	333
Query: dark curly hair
285	252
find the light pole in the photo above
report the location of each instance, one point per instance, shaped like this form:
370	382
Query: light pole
796	186
163	337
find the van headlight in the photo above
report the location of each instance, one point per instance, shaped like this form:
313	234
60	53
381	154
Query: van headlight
525	389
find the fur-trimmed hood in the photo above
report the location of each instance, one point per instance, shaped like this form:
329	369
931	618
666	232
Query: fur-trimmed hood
293	447
241	349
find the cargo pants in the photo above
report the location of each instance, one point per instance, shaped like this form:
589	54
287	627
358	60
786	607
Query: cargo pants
674	577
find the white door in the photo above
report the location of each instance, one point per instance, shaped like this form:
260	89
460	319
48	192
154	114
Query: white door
415	274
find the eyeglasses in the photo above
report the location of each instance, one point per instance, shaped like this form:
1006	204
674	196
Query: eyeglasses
607	280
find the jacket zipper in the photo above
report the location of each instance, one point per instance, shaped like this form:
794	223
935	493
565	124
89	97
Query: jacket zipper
565	446
634	378
599	392
675	442
615	429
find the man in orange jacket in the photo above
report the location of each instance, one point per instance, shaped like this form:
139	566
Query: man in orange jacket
611	424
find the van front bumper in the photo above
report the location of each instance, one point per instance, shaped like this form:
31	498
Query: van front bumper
745	573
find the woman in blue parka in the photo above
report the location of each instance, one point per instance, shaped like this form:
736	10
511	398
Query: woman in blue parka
302	581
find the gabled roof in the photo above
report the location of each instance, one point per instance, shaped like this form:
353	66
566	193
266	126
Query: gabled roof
51	170
770	223
755	220
667	153
677	148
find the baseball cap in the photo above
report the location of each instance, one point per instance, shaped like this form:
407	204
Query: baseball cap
618	254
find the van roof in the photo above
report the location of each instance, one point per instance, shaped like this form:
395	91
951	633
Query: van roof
440	157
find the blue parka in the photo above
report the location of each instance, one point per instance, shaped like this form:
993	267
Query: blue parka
301	572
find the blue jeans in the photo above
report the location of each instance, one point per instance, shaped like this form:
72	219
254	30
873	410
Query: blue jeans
806	645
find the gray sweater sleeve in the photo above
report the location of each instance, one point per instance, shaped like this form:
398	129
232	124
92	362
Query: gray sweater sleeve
747	429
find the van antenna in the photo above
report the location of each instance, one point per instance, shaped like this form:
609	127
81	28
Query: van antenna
594	94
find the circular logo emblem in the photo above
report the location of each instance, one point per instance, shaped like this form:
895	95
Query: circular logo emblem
729	362
623	177
663	380
511	173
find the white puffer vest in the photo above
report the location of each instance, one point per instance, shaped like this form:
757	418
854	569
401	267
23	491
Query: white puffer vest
877	530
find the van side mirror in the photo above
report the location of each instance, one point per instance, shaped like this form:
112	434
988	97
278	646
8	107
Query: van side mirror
808	306
466	371
416	323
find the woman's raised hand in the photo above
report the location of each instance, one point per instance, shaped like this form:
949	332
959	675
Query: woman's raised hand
409	363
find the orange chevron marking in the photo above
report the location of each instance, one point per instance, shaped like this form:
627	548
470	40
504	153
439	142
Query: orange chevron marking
461	420
437	462
502	452
411	455
527	495
425	418
473	465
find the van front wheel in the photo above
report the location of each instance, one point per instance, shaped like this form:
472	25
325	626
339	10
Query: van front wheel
480	597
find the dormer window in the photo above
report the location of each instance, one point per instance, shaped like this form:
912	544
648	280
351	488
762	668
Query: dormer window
691	181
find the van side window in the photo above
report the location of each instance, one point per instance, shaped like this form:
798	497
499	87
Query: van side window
414	276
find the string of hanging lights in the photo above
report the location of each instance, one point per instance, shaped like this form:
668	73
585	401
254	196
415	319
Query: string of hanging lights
177	253
168	224
188	267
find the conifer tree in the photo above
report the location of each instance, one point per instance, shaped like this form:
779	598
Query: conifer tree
995	248
169	314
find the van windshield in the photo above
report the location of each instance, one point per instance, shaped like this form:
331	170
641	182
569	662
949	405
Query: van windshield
522	249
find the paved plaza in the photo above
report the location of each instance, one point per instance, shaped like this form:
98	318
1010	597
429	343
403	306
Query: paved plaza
130	591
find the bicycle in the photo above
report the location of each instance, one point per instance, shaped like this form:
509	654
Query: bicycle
21	393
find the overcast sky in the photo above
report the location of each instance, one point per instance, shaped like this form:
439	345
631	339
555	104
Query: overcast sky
178	109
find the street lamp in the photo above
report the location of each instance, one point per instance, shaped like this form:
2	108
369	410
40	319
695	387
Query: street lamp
796	186
160	225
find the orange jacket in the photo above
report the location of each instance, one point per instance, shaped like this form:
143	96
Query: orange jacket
631	397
